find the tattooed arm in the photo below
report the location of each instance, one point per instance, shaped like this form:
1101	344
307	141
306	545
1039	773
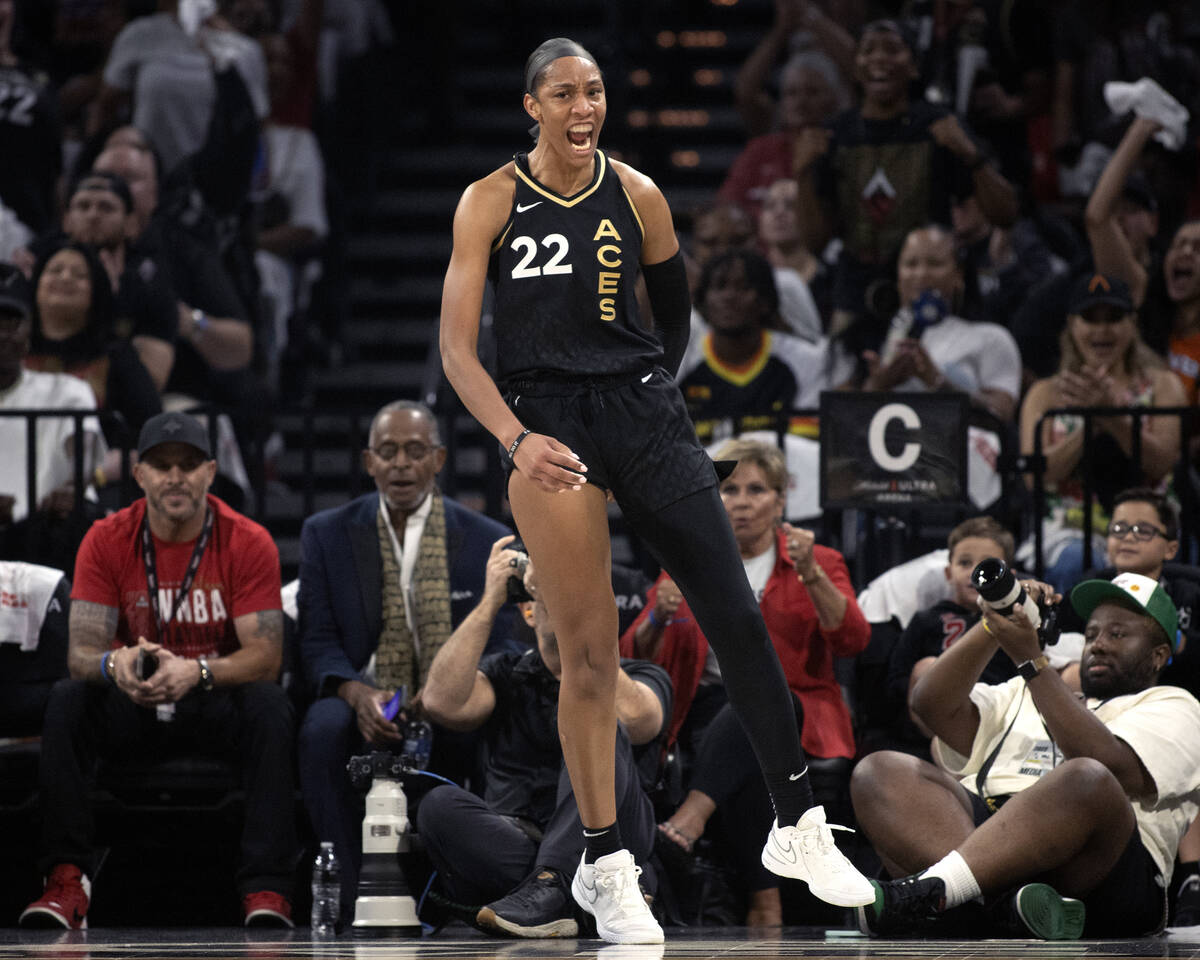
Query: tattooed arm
91	628
260	654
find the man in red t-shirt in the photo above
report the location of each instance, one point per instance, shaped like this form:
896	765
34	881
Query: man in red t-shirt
176	636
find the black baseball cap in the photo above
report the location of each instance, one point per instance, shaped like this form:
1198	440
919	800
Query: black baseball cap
173	428
1093	289
108	182
15	293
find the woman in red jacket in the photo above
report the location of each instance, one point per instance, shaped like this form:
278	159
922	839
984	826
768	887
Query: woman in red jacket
812	616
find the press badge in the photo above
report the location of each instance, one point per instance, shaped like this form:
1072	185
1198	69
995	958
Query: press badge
1039	760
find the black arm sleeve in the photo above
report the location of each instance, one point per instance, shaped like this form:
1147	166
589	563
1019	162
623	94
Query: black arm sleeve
667	287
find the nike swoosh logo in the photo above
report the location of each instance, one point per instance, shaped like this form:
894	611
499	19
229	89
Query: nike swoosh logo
797	776
787	853
589	893
522	207
598	833
646	378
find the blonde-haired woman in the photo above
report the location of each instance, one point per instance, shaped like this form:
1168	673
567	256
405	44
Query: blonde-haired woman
1104	363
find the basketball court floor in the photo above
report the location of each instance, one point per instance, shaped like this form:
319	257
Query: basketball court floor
461	943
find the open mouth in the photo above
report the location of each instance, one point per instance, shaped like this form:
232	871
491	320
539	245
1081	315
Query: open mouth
580	137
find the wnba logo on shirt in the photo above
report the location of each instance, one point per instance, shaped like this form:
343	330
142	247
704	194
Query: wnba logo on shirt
200	606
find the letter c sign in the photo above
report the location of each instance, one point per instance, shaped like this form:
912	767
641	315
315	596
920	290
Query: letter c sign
875	437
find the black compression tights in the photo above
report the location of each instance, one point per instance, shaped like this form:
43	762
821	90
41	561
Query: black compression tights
693	541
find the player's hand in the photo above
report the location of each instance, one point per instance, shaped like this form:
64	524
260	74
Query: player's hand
550	464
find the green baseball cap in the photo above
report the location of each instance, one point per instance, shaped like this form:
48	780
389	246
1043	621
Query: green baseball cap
1134	592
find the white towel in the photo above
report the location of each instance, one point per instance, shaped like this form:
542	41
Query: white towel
1147	99
26	590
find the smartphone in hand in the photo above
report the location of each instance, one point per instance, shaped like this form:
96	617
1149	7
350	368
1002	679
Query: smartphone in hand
145	664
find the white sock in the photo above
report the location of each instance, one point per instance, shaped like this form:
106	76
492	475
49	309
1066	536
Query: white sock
961	885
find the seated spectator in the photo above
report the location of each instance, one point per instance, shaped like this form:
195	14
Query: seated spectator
180	577
36	528
384	582
811	92
724	227
29	129
1035	786
739	374
1143	538
1104	364
890	166
73	333
34	604
787	249
100	213
215	341
929	348
935	629
948	353
514	849
808	603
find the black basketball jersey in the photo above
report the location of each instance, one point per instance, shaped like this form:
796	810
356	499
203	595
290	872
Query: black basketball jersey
564	270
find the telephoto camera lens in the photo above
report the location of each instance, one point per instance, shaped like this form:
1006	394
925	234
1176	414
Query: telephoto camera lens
1001	590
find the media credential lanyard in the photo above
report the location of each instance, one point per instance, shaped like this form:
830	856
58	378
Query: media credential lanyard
152	572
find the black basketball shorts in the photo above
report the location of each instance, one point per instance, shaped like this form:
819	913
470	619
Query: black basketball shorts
631	432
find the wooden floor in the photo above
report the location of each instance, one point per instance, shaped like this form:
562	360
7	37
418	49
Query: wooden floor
455	943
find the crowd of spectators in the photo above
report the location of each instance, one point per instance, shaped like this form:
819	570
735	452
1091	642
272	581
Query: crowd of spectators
163	189
977	199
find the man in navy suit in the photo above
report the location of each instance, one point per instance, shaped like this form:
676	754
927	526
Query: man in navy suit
427	555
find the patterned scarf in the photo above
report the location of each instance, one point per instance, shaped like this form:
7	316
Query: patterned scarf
395	665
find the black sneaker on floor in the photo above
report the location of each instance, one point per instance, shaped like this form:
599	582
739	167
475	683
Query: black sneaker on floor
1187	903
902	906
540	907
1036	911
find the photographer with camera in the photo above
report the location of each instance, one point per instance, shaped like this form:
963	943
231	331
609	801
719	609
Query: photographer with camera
1063	812
384	581
513	851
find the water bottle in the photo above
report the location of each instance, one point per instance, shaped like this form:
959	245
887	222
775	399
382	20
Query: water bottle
326	891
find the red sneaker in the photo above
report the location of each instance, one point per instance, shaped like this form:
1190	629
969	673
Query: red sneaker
266	908
64	902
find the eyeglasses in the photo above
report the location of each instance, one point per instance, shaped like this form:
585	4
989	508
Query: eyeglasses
1140	531
414	451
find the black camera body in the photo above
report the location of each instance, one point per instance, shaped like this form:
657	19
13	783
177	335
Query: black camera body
1002	591
516	581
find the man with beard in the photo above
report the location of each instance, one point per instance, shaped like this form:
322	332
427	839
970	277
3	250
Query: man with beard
176	639
1063	814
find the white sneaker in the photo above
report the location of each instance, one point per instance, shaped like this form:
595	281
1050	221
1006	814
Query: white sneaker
807	852
608	890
